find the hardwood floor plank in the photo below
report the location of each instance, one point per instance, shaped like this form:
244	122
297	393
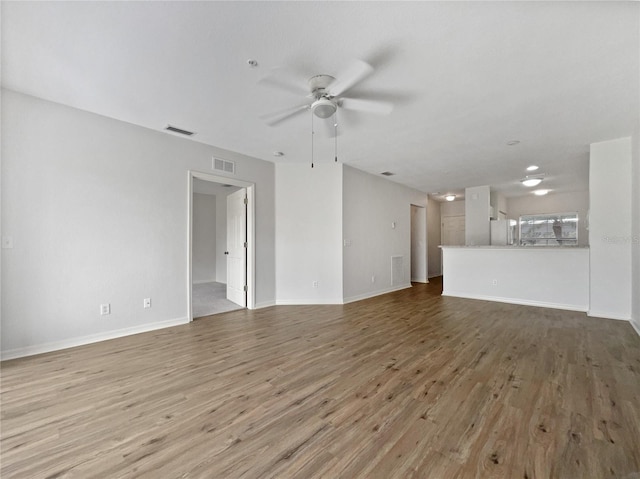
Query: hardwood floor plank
406	385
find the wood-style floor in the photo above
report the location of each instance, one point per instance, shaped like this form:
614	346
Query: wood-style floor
405	385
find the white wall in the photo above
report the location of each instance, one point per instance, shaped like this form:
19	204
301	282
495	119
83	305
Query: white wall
610	228
552	277
452	208
419	244
433	237
371	205
635	244
577	201
309	233
498	204
477	213
204	238
221	237
97	209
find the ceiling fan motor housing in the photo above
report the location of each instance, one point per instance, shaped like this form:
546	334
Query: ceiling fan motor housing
323	106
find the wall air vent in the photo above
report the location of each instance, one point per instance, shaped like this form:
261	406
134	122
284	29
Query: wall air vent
175	129
387	173
224	165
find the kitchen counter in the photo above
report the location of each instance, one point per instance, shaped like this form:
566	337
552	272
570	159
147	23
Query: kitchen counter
548	276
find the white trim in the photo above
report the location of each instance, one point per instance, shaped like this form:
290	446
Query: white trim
523	302
203	281
92	338
607	315
251	233
307	302
264	304
360	297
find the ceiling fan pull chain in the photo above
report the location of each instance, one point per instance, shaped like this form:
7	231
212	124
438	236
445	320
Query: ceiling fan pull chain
312	132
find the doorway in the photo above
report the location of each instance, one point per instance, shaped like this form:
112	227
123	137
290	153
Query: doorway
221	249
453	230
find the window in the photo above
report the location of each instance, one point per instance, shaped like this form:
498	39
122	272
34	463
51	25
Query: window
557	229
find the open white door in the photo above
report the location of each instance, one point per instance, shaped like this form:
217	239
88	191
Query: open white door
237	247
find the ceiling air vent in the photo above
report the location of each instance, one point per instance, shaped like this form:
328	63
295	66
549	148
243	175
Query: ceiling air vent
387	173
175	129
224	165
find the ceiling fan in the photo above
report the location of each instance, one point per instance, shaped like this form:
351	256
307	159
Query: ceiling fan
325	94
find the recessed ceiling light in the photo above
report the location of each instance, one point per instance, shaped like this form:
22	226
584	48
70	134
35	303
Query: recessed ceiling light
529	182
513	142
450	197
541	192
532	168
278	153
252	63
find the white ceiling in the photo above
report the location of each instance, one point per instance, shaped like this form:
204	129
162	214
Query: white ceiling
465	78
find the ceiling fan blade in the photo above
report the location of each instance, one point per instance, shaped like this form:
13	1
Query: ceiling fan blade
368	106
287	80
272	119
354	74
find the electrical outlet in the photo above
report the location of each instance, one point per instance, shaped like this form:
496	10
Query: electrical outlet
315	284
494	282
105	309
147	303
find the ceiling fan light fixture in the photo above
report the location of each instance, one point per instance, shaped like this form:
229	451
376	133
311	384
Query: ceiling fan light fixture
323	108
530	182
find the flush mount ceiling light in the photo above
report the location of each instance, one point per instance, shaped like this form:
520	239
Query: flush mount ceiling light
532	168
529	182
540	192
450	197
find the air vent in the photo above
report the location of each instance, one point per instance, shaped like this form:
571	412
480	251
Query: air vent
387	173
224	165
175	129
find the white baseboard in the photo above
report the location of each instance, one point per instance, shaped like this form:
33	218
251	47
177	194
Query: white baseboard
523	302
203	281
360	297
264	304
92	338
306	302
608	315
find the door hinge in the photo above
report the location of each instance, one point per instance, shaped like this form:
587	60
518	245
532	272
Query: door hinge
246	200
245	288
245	244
